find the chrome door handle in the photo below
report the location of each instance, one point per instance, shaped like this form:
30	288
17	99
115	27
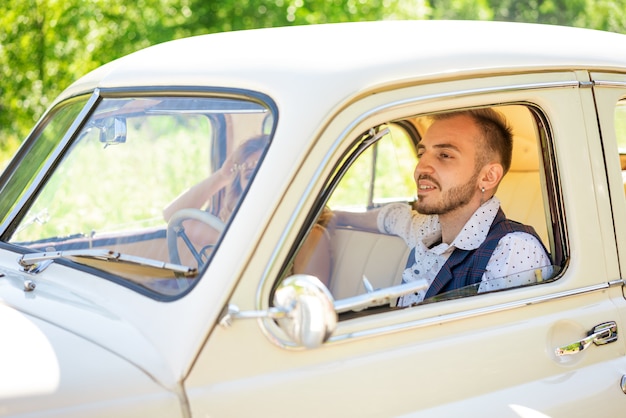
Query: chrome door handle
601	334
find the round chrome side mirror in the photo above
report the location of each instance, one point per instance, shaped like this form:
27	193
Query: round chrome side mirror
310	317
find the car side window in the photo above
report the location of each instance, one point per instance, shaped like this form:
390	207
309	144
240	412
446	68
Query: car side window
386	258
384	173
373	179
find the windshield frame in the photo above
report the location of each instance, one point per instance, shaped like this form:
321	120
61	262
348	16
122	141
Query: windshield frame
21	207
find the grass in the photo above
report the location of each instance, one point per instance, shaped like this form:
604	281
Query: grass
104	188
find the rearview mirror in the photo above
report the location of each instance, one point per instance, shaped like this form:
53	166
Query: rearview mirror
113	131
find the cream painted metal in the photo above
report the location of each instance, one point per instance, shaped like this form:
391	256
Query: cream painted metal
429	359
51	367
491	355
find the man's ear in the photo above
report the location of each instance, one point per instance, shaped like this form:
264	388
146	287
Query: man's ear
491	174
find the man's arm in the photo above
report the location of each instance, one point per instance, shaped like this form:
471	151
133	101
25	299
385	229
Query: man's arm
519	259
367	221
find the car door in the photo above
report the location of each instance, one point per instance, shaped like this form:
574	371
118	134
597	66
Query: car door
509	353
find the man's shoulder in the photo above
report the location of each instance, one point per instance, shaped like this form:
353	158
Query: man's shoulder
513	231
503	225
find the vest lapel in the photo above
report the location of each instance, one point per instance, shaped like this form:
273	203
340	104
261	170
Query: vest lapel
444	276
458	256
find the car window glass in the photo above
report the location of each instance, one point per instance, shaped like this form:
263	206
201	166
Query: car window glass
41	145
154	179
373	179
383	258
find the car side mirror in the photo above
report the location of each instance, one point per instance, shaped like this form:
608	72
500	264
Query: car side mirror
310	317
303	308
307	313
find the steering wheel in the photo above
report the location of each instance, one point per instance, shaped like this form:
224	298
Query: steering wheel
175	230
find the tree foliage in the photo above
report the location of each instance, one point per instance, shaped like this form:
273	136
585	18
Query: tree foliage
47	44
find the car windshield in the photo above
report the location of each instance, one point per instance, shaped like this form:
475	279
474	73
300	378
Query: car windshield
146	188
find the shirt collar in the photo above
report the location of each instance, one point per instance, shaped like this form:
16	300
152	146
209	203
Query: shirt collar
477	227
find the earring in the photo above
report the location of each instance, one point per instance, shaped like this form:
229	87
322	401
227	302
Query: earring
482	189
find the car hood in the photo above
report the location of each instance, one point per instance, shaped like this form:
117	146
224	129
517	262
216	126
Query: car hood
48	368
46	325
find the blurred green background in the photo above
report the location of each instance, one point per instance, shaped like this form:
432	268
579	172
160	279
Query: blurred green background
47	44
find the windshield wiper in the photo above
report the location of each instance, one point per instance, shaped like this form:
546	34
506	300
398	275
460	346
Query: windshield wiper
139	268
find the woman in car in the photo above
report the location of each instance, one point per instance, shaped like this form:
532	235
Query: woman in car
314	256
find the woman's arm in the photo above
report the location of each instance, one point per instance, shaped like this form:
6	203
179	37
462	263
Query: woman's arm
198	195
314	257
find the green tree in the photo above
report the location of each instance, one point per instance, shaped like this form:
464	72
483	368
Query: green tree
228	15
461	9
607	15
47	44
555	12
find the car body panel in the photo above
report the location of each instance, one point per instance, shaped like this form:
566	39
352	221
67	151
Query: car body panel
63	374
462	340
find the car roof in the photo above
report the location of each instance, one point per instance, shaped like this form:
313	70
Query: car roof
311	72
347	57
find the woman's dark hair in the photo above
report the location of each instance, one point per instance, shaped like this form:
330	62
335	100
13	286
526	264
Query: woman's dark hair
240	156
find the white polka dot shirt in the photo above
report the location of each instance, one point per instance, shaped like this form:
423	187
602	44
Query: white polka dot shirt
513	262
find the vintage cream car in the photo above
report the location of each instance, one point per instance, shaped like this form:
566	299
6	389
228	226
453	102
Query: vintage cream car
153	220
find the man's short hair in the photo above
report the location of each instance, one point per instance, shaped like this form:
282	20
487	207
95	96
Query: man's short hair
495	130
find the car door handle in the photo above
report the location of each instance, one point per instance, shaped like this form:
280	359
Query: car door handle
601	334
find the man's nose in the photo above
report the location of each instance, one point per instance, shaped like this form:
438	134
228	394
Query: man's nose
423	166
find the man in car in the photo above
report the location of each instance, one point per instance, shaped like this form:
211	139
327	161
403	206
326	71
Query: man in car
457	233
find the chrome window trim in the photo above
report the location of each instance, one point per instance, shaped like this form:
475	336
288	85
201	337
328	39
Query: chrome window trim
265	284
268	325
54	156
606	83
451	317
451	95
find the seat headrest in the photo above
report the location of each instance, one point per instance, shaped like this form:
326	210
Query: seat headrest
525	156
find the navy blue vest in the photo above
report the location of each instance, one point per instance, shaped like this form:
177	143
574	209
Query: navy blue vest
466	267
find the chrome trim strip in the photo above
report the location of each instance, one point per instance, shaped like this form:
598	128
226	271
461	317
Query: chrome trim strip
54	155
467	314
607	83
462	93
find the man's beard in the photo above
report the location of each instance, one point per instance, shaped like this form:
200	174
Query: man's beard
452	199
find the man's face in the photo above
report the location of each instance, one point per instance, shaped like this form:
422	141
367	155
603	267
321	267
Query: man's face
446	175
